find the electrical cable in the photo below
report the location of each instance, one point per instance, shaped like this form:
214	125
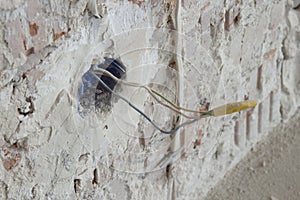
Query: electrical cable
143	114
219	111
154	93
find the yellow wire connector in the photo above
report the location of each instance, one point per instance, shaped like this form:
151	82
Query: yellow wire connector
232	107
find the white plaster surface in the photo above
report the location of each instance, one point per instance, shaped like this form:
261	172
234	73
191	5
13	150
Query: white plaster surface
191	49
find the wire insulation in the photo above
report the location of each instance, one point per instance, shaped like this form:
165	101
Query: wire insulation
153	93
219	111
144	115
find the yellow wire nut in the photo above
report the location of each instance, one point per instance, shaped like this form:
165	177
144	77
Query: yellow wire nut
233	107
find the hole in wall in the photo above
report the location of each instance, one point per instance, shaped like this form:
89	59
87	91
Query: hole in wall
92	94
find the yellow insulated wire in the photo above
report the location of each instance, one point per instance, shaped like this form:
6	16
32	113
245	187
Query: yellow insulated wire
232	107
219	111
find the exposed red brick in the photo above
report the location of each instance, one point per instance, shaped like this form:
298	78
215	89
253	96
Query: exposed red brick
137	2
33	29
29	51
58	35
9	163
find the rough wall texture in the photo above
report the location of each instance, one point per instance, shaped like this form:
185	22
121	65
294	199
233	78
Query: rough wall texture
222	51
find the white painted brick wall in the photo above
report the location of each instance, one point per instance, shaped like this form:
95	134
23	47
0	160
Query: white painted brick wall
224	52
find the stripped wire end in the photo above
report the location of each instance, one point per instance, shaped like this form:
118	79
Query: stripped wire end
232	108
